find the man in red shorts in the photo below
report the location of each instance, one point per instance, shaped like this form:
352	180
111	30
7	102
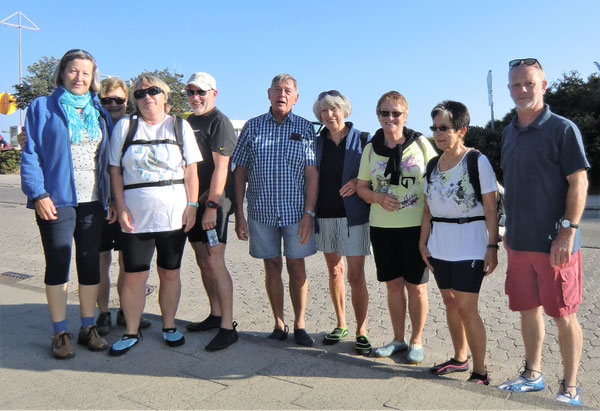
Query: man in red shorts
545	179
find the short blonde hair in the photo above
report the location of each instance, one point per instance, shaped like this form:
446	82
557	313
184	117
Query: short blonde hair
394	97
112	83
340	101
154	81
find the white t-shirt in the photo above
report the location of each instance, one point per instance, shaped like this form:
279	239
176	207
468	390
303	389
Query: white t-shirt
154	209
451	195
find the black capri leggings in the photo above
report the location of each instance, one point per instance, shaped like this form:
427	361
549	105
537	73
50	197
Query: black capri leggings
82	223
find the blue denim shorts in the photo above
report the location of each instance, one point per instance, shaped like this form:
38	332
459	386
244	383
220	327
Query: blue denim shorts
265	241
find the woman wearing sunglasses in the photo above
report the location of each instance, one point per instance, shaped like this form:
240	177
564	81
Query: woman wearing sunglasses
342	216
459	252
155	188
63	175
113	96
390	179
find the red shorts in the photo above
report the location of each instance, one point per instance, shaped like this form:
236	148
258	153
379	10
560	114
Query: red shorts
531	281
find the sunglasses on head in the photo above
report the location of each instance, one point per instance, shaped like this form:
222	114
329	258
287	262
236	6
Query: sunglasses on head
141	93
527	62
77	51
332	93
385	113
441	128
191	92
117	100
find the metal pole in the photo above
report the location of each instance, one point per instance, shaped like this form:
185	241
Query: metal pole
20	69
20	26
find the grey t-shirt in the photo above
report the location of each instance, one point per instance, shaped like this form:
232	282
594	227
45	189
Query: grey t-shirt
536	161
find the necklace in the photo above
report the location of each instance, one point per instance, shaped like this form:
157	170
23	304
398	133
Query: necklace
447	162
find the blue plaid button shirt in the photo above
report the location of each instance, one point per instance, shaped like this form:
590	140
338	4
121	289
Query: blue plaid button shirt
275	156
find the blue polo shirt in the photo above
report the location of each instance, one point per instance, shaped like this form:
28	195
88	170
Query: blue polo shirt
275	156
536	160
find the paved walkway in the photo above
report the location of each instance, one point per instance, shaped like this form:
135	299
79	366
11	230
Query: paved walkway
257	373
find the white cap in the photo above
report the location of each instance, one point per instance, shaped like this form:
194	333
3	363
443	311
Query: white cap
203	81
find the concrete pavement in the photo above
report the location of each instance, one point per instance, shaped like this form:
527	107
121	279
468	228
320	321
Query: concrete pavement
256	373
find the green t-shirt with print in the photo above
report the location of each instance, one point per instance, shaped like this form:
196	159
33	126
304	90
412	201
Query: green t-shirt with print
409	191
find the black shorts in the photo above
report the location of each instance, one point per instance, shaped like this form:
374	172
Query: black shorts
82	224
138	250
224	210
396	252
111	234
465	276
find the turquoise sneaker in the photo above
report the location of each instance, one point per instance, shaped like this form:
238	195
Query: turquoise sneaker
391	348
172	337
415	353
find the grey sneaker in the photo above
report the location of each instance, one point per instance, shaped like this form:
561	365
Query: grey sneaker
121	321
104	323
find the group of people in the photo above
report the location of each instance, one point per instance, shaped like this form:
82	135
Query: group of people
161	179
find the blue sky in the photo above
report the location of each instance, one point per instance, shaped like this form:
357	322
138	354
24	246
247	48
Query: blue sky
427	50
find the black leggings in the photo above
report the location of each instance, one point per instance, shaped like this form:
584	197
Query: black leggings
82	223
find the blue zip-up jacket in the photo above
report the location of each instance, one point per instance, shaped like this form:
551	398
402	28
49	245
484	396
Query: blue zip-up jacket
357	211
46	163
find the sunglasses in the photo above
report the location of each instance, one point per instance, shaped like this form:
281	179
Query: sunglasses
527	62
385	113
141	93
441	128
79	51
117	100
191	92
332	93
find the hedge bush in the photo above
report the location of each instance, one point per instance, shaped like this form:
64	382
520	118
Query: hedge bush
10	161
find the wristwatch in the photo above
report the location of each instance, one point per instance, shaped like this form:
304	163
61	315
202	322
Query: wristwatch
310	213
211	204
566	223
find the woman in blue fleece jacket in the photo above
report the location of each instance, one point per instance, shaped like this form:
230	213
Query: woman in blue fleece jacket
64	176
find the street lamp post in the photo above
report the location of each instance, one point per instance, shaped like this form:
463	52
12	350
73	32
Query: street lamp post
20	26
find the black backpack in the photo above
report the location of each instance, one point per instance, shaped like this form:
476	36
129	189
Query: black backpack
133	125
473	171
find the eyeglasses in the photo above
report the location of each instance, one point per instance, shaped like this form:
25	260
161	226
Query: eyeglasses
117	100
527	62
141	93
441	128
191	92
385	113
332	93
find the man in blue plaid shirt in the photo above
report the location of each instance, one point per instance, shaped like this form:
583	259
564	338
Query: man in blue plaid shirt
275	155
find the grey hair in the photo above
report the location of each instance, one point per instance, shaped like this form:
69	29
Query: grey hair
154	81
280	78
57	76
341	102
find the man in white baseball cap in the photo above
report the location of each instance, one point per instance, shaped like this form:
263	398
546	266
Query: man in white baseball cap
216	139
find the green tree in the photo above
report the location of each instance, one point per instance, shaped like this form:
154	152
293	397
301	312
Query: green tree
579	101
37	83
179	104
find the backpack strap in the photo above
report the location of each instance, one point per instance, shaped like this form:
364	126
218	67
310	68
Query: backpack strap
133	125
178	129
473	170
364	137
431	164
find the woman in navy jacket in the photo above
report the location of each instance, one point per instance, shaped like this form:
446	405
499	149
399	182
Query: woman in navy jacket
342	216
64	176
